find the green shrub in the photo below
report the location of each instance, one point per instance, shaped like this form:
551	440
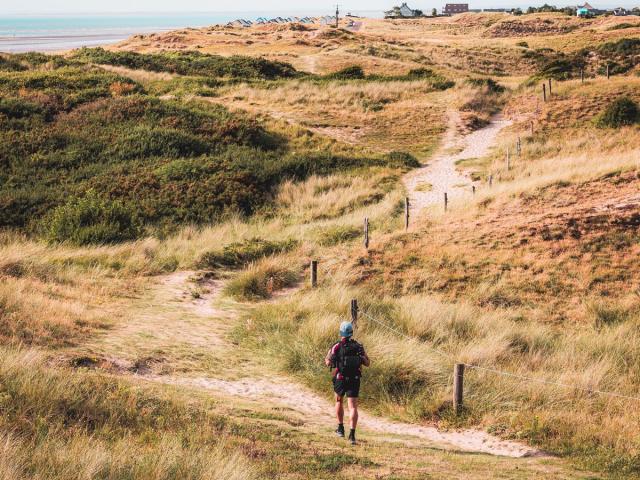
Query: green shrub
354	72
486	83
401	160
191	63
337	234
259	282
240	254
92	220
621	112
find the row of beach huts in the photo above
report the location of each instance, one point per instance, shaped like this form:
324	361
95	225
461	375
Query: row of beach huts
241	22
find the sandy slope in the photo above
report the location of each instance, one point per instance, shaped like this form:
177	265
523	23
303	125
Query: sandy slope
427	185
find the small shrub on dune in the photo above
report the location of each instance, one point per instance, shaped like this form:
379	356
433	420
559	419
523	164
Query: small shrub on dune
239	254
489	84
92	220
621	112
337	234
354	72
261	281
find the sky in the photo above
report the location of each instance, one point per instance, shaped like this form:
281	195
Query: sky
148	6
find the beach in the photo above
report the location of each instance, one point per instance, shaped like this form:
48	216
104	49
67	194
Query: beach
52	33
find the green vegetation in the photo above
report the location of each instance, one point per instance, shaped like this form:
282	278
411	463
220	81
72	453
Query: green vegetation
261	280
92	220
337	234
65	130
621	112
356	72
191	63
240	254
489	84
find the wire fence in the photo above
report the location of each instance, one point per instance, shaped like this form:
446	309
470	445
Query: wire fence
494	371
497	371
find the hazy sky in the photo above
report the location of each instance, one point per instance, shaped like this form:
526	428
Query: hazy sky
95	6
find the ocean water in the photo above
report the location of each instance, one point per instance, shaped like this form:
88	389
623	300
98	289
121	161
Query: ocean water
47	33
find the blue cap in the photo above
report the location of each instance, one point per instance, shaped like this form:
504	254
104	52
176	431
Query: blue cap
346	329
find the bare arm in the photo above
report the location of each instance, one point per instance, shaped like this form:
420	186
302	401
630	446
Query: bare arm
328	360
365	359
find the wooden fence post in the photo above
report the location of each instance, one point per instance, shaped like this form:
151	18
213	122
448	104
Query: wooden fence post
544	92
366	233
508	160
458	387
446	201
354	311
549	87
491	180
473	189
314	273
532	128
607	71
582	75
406	213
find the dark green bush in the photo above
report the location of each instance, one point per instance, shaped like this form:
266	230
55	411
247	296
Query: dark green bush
191	63
240	254
401	160
92	220
621	112
487	83
353	72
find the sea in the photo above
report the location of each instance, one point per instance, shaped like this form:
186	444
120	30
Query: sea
51	33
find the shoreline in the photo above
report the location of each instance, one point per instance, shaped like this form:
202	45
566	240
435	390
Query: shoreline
47	34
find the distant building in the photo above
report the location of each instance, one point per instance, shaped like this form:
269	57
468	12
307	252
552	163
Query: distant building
454	8
494	10
328	20
403	11
620	12
587	10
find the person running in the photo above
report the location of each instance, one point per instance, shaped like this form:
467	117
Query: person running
347	357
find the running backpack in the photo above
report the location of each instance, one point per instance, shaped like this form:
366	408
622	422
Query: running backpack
348	359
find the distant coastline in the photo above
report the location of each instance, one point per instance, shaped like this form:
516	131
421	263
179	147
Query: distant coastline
51	33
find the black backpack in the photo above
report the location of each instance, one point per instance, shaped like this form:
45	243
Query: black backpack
348	359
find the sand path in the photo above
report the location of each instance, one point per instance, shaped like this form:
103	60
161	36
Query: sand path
172	316
427	185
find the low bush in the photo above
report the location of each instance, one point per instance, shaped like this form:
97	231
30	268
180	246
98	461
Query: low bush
489	84
353	72
191	63
92	220
621	112
240	254
337	234
260	281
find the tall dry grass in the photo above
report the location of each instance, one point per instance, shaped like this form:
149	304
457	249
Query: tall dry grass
65	425
412	362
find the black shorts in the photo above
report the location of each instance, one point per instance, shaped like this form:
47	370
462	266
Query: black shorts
349	387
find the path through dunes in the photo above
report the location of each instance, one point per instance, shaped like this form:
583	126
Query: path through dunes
180	336
427	185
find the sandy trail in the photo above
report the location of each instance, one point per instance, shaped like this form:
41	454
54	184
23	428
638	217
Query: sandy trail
197	322
427	185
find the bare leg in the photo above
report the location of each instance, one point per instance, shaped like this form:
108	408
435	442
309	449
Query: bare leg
353	409
339	409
